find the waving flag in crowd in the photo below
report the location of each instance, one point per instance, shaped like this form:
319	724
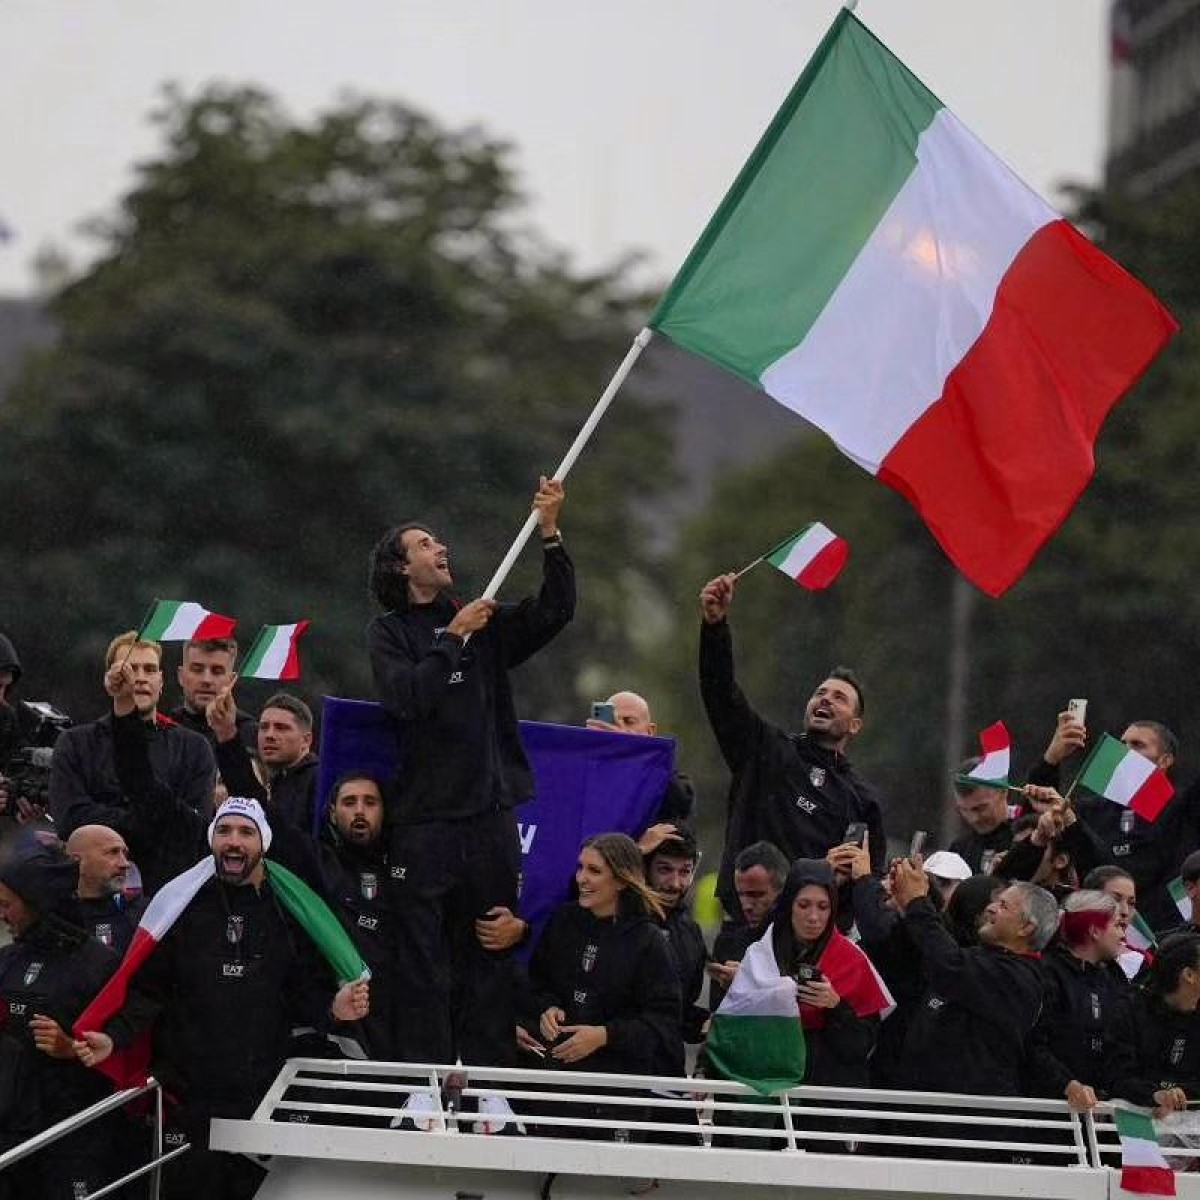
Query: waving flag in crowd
274	653
813	558
992	769
1126	778
183	621
876	269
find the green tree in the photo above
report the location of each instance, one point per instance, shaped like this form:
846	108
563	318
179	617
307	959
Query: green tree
296	335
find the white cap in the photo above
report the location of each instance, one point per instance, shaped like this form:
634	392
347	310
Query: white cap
945	864
243	806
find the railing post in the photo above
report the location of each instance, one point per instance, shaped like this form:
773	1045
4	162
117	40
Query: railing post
787	1121
1089	1123
156	1174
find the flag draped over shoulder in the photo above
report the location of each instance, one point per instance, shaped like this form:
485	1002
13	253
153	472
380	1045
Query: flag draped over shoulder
853	976
128	1067
876	269
755	1037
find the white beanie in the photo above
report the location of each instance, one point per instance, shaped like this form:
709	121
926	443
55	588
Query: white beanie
945	864
243	806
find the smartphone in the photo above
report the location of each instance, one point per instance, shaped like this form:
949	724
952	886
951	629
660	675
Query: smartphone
1078	709
807	973
856	833
917	845
603	711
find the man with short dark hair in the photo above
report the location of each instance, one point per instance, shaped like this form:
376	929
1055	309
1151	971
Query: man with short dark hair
759	873
441	670
983	809
670	871
1150	851
206	669
971	1030
797	791
103	860
354	859
285	738
85	788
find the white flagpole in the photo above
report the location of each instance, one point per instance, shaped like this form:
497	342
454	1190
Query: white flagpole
589	426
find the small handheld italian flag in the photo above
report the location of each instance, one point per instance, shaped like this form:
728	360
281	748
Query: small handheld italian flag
274	654
992	769
1144	1167
813	558
1126	778
183	621
1139	947
1183	901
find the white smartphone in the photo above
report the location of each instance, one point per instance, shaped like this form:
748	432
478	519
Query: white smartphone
1078	709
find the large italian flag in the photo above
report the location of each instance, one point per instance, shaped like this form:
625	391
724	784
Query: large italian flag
879	271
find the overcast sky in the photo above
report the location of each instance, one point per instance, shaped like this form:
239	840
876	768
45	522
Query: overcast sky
630	117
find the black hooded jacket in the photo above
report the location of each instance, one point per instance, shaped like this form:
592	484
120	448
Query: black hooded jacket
785	788
1084	1032
616	972
971	1030
460	745
839	1049
53	969
224	988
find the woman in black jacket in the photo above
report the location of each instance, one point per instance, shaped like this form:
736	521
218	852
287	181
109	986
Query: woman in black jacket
603	994
1166	1023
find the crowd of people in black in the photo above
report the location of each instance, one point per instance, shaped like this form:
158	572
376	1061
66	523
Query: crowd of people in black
1005	964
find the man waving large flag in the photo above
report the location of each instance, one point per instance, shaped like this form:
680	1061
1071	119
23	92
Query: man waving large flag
879	271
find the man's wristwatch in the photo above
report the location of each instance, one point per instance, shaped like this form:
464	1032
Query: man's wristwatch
555	539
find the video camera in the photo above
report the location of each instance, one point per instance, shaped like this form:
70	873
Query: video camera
27	768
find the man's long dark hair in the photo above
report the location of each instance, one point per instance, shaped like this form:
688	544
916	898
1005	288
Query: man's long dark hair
388	588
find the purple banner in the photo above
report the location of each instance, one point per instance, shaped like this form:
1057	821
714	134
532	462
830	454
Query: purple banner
587	781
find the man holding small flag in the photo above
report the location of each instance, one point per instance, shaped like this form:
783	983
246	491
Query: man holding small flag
85	785
981	798
226	960
797	791
1123	793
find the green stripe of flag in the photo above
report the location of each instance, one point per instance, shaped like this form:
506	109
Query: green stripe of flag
319	922
745	296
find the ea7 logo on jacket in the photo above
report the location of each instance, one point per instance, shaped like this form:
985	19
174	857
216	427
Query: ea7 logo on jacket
398	873
365	922
233	970
806	805
455	677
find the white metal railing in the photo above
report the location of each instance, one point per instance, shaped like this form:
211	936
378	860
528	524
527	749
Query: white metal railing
68	1125
676	1128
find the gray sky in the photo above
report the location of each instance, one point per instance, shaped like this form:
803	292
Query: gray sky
630	117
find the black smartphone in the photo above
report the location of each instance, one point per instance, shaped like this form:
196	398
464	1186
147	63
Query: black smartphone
807	973
917	845
856	833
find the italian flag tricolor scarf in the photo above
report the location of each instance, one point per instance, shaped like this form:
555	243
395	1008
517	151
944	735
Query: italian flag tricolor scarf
757	1034
128	1068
